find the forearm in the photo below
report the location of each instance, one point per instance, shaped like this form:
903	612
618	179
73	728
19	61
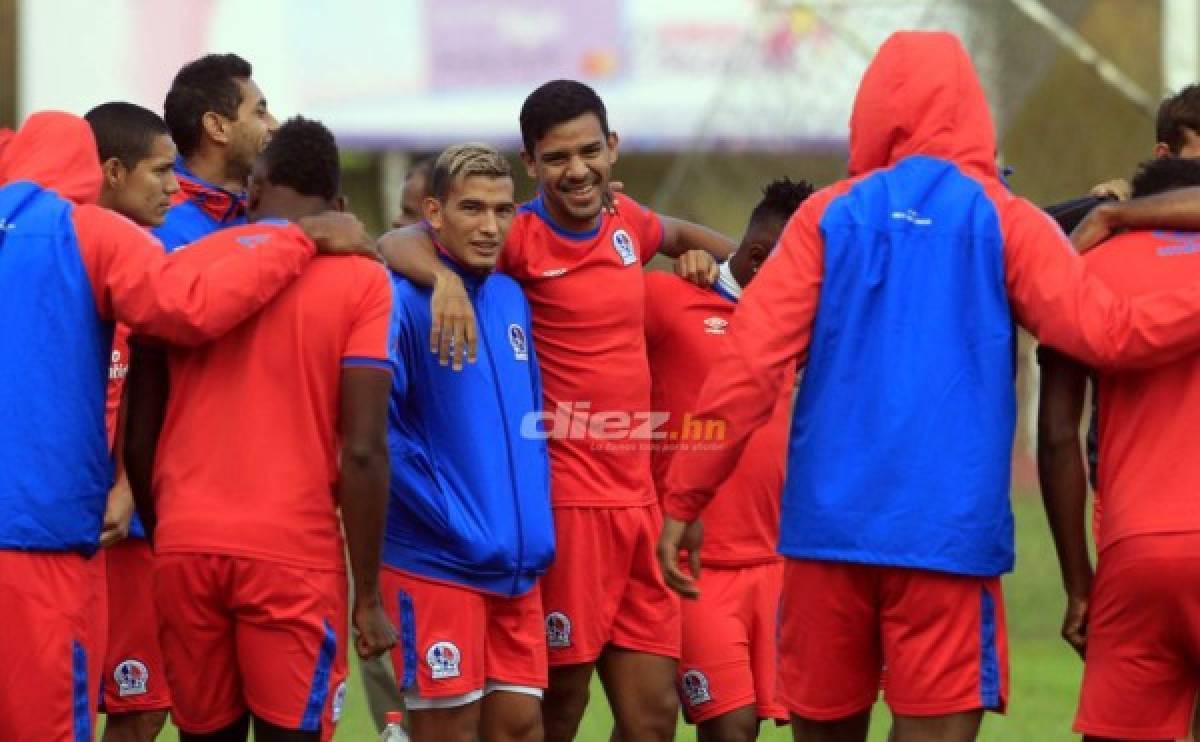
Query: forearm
146	391
1064	494
1177	209
410	252
681	236
363	493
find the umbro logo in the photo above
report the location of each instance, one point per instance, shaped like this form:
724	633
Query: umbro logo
554	272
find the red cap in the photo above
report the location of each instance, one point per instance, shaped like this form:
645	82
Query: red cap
393	717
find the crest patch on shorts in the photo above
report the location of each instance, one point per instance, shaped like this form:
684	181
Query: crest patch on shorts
695	688
558	630
131	676
443	659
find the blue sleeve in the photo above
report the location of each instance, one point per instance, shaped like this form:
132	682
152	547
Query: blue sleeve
406	335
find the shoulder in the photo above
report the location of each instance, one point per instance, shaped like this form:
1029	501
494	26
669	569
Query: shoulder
91	220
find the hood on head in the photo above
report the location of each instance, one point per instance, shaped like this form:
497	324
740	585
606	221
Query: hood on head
920	96
57	151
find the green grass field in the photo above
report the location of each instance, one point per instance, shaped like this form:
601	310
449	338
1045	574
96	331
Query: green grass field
1045	672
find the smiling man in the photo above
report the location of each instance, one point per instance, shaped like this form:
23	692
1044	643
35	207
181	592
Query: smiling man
219	119
469	525
580	266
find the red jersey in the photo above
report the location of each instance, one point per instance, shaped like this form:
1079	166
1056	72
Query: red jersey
685	330
248	457
587	296
1148	419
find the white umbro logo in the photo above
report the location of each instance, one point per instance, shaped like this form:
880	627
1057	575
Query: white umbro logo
6	226
913	217
715	325
553	272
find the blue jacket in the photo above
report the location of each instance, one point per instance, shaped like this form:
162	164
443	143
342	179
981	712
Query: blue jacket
470	488
55	470
199	209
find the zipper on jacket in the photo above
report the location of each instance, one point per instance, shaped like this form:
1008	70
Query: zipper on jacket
512	469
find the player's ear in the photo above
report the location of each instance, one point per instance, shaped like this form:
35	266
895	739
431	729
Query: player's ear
114	172
527	158
613	143
1162	149
215	127
758	255
432	210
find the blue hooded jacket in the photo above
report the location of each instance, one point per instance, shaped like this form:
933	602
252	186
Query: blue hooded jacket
470	489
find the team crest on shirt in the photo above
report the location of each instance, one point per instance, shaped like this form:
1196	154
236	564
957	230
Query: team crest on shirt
695	687
520	345
715	325
339	701
131	676
558	630
443	659
623	244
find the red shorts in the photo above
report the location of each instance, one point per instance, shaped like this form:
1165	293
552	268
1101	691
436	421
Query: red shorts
605	586
51	645
942	636
1143	639
133	678
455	640
242	634
728	658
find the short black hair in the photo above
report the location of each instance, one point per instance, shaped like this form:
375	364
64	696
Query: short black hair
1165	174
1180	111
780	199
125	131
422	167
558	102
206	84
303	155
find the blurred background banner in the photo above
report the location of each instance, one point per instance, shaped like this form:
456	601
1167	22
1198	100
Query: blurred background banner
420	74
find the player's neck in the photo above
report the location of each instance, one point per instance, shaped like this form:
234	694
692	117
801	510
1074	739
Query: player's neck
211	167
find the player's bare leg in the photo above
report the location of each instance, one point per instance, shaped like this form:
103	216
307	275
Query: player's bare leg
738	725
641	690
235	732
949	728
511	717
566	699
850	729
458	724
138	726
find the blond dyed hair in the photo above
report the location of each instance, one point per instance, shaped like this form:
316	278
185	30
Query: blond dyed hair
462	160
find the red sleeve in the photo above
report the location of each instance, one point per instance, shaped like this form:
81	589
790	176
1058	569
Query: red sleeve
136	283
647	226
1066	306
369	342
769	335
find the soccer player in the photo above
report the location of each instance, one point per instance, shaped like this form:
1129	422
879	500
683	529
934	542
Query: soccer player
249	567
606	606
726	672
469	525
137	158
219	120
1133	619
414	193
68	269
898	290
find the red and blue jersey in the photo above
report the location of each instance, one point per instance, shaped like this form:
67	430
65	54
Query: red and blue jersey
198	209
686	327
898	289
588	301
68	270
